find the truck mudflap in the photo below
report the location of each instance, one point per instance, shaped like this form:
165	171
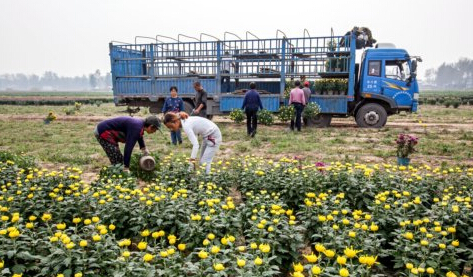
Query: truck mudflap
415	102
415	105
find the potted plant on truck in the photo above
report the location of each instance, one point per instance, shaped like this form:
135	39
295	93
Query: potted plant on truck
405	146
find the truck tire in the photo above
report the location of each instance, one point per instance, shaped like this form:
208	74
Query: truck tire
154	110
320	121
188	107
371	115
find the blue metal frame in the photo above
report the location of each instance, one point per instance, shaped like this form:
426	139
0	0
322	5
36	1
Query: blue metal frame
148	70
256	58
282	84
351	76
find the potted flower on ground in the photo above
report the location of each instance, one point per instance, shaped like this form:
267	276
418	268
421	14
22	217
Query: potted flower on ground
405	146
51	117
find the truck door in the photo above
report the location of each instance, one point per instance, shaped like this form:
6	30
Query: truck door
394	83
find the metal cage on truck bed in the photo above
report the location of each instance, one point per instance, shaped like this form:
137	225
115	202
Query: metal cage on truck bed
226	67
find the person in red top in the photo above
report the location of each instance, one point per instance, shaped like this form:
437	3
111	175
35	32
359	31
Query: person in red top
297	99
126	130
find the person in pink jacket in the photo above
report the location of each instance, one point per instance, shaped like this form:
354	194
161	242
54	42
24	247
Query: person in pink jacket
297	99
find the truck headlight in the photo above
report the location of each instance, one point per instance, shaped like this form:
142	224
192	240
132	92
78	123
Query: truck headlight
416	96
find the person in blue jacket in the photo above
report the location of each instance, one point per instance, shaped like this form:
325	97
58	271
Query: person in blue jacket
251	103
174	104
126	130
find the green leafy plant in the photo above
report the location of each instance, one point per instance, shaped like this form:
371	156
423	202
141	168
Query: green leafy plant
320	86
332	85
286	113
74	110
250	217
141	174
265	117
343	86
289	85
237	115
311	110
21	161
77	106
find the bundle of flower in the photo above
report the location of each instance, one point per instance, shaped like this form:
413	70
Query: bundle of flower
332	85
237	116
405	145
311	110
265	117
51	117
286	113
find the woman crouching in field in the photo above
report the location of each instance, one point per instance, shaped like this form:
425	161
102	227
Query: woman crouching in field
193	127
126	130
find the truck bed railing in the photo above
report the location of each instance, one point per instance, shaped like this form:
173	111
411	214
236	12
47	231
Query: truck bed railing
242	58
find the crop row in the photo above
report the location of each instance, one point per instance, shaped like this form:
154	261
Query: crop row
250	217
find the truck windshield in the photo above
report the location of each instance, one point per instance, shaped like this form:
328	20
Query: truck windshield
397	70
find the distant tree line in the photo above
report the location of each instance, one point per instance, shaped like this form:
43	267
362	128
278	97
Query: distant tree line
52	81
458	75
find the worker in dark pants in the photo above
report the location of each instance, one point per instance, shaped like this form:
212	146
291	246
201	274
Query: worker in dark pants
297	99
200	100
251	103
126	130
307	93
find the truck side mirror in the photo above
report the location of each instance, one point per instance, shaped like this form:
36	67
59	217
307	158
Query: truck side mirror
413	72
414	66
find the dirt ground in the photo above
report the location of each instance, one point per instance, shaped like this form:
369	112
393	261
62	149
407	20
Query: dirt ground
336	123
344	125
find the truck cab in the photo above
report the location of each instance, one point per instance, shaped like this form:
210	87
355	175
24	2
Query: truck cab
387	85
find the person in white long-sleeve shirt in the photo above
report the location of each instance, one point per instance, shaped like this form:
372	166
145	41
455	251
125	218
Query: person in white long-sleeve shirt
195	126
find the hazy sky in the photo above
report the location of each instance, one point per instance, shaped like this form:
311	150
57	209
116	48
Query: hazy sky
71	37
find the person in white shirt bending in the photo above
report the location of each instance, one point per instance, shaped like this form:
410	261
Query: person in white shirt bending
193	127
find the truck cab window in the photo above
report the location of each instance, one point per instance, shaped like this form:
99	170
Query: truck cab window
374	68
397	70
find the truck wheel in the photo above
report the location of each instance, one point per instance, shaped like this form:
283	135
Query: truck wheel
371	115
154	110
188	107
320	121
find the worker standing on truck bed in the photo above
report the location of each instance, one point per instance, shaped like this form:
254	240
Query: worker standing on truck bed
126	130
200	100
193	127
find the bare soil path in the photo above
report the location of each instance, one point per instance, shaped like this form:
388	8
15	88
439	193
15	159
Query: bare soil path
336	123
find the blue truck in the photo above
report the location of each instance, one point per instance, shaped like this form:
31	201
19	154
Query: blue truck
381	81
